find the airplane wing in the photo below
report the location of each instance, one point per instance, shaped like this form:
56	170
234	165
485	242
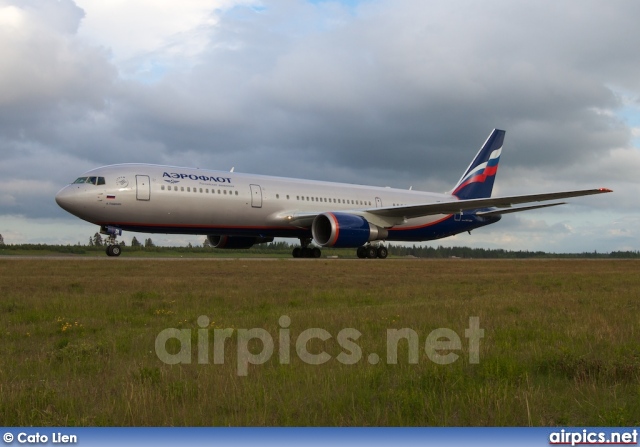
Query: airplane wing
458	206
394	215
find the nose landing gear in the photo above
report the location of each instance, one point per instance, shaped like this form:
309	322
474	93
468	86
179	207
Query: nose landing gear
113	249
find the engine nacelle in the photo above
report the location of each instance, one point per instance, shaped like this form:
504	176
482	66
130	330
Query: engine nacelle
236	242
344	230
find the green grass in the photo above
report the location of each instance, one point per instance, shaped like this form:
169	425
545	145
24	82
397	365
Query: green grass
561	342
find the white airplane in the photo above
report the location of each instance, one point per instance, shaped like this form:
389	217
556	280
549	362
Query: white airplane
238	210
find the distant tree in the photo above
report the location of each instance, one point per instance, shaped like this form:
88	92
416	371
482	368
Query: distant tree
135	242
90	242
189	246
122	244
1	240
97	240
148	243
206	243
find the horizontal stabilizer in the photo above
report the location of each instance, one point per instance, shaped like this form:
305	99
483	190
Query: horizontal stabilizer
516	210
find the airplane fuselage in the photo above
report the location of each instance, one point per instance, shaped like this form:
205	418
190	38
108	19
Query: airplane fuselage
176	200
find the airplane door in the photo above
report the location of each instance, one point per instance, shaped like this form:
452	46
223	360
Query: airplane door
256	196
143	187
378	202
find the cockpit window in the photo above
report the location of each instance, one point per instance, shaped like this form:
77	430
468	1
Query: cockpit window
91	180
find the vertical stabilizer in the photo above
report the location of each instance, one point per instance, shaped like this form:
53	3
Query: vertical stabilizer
477	181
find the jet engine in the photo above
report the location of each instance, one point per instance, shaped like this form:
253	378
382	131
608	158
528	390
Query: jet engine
344	230
236	242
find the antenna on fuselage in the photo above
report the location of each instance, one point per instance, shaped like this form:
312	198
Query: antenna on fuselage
232	169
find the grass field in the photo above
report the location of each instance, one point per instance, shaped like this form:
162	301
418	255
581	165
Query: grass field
561	342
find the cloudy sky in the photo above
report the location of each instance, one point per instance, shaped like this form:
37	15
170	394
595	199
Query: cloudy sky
384	92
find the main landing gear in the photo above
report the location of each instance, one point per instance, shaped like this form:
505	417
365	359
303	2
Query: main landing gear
366	251
304	251
372	252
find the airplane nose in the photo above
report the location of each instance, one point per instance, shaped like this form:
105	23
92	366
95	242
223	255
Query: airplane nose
64	199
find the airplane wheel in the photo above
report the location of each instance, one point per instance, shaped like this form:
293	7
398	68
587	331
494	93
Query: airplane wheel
306	252
115	250
361	253
371	252
315	252
382	252
108	250
297	252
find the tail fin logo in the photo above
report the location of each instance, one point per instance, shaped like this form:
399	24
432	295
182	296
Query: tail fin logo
481	172
477	181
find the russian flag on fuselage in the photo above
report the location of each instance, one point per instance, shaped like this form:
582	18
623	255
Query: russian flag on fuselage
477	181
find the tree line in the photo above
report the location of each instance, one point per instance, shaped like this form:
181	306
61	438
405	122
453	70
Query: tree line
97	242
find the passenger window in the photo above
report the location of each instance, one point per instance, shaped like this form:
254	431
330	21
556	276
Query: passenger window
277	196
225	192
287	196
182	188
200	189
162	187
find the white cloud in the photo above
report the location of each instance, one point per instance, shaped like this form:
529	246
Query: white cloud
148	37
